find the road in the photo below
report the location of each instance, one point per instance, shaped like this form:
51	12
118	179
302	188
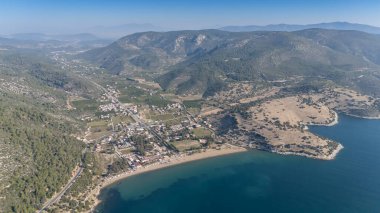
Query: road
58	196
134	116
147	127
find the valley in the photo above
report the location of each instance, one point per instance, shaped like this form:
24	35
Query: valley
152	100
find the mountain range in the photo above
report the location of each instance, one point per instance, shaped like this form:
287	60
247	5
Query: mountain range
201	62
46	41
118	31
295	27
50	37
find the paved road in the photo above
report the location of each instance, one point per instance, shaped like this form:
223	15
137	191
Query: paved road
134	116
58	196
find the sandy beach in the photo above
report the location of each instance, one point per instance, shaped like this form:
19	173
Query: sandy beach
175	160
180	159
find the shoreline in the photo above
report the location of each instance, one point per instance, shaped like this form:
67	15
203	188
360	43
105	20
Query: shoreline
208	153
332	123
335	152
363	117
332	156
335	121
340	146
173	161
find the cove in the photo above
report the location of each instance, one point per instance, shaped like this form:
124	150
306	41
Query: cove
257	181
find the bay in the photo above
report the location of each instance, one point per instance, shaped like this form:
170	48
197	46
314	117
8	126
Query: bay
257	181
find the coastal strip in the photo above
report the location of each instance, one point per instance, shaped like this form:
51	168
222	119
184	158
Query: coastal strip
331	156
364	117
209	153
335	152
334	122
172	161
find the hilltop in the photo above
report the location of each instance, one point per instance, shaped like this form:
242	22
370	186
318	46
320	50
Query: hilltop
297	27
202	62
167	95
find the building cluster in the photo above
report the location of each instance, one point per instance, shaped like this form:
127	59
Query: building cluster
65	64
143	142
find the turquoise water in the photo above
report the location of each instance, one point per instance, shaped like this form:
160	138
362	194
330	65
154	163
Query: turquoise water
257	181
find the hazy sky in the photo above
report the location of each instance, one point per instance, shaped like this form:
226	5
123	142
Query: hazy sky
78	15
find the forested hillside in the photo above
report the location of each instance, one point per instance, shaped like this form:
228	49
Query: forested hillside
41	155
200	62
38	149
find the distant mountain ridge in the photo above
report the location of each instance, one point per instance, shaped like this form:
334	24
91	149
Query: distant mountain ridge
295	27
202	61
118	31
58	37
154	51
44	41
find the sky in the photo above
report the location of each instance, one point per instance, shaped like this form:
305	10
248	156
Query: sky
74	16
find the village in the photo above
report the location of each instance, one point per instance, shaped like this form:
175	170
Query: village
143	135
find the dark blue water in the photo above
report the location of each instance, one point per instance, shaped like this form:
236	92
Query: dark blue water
263	182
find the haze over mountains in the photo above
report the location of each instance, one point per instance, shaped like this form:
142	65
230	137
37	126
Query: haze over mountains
41	41
200	62
48	93
117	31
90	33
58	37
296	27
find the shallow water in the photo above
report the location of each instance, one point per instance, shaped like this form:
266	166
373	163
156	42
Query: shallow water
257	181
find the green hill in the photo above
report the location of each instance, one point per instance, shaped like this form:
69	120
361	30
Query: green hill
201	62
38	148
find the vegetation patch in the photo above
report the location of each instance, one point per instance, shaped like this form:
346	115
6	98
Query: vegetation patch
99	123
157	100
85	105
186	145
201	132
162	117
122	120
52	155
193	104
125	99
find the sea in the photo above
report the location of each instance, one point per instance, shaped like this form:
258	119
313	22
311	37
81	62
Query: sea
257	181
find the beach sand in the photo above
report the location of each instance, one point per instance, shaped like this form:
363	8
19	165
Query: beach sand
175	160
180	159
